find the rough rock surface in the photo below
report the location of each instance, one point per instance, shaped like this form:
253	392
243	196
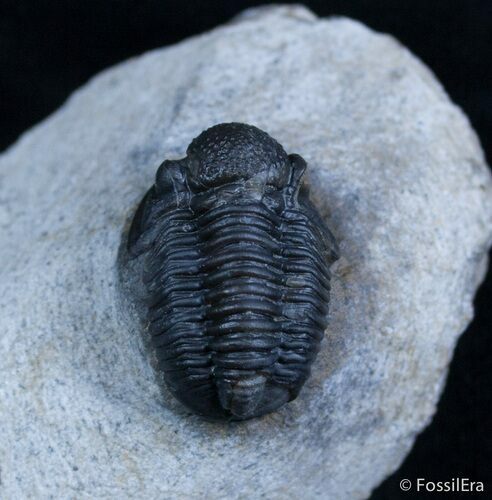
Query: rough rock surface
395	168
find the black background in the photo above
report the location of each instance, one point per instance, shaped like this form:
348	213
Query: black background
49	48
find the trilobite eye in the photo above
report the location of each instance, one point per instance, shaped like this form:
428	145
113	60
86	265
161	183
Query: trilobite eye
171	175
164	176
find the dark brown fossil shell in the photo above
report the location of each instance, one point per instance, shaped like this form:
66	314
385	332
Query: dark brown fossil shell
236	269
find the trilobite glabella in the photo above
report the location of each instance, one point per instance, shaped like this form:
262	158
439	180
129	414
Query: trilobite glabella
236	272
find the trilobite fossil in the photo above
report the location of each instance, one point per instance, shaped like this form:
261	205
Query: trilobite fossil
236	272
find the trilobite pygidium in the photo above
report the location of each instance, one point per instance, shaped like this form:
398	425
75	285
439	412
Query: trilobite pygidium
236	268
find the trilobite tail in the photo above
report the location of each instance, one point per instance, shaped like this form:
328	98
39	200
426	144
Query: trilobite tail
241	397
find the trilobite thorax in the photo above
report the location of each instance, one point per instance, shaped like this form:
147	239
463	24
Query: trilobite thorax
236	269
